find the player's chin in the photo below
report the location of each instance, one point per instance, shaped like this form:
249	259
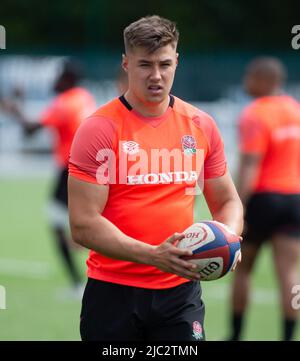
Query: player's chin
156	98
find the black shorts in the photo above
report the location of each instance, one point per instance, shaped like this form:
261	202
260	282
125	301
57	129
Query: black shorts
60	191
271	213
112	312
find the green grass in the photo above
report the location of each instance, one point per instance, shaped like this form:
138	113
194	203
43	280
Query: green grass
35	307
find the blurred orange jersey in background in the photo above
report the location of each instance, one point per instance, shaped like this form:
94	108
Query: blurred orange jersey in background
64	116
270	127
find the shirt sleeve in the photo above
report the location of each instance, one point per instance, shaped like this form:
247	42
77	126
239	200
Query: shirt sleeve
215	164
92	155
52	115
253	138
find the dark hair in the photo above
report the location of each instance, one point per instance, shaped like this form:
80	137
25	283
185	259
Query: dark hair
269	67
72	70
151	32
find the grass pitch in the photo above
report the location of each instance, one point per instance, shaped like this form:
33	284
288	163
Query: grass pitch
38	307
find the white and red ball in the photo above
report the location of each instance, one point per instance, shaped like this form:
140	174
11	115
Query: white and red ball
215	248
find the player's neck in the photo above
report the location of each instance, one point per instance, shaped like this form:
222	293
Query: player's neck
147	109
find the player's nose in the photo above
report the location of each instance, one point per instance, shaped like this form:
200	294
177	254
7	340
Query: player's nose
155	73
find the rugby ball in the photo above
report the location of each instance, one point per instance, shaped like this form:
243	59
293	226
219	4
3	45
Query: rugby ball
215	248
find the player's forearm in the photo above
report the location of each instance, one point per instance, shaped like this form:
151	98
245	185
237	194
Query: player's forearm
99	234
245	182
244	190
247	174
28	126
231	214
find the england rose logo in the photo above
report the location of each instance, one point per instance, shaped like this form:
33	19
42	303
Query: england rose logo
188	144
197	330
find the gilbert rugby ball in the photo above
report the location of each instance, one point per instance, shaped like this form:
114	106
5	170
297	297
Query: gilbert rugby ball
215	248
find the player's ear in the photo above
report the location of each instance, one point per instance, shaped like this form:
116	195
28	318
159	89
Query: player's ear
177	57
125	62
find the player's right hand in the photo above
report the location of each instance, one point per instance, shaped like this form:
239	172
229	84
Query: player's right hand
167	258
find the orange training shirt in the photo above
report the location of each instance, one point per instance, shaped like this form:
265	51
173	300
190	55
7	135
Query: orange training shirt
151	166
63	116
270	127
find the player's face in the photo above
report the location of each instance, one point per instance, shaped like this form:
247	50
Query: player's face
251	85
256	85
151	75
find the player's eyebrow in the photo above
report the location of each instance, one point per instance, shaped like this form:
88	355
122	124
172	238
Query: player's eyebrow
166	61
146	61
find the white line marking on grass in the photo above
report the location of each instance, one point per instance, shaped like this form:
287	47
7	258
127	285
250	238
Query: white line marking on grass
25	269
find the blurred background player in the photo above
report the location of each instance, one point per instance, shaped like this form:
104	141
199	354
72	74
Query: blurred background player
269	186
63	116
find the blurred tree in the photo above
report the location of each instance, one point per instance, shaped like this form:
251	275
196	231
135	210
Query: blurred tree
204	24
